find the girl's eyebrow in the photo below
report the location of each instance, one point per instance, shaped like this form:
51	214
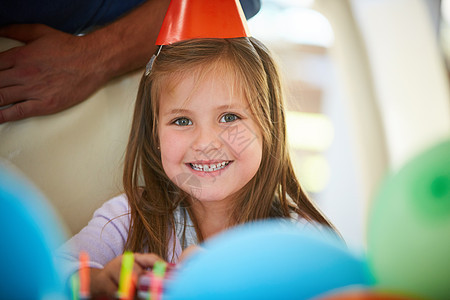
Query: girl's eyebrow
230	106
177	111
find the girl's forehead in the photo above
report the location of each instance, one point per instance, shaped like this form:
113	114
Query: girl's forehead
190	81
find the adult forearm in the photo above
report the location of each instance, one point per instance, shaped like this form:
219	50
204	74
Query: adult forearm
129	42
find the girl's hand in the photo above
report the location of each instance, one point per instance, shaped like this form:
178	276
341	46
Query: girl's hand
105	282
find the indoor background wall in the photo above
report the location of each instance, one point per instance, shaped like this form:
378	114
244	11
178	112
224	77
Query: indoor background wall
377	88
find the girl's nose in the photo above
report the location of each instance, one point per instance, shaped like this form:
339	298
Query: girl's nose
206	141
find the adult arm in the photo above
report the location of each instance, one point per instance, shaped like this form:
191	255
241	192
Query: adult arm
55	70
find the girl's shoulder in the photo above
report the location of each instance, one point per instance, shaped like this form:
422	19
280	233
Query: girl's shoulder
117	203
303	223
116	209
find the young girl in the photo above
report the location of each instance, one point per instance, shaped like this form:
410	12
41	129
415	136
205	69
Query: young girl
207	151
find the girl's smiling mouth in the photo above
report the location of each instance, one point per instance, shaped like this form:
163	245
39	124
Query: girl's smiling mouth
209	167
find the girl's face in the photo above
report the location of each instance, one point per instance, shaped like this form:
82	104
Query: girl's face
210	144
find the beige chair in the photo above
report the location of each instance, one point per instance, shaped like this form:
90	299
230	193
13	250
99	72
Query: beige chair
75	157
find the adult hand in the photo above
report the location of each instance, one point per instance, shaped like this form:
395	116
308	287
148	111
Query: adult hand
55	70
105	282
50	73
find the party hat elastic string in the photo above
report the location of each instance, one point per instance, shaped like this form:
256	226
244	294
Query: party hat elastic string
149	66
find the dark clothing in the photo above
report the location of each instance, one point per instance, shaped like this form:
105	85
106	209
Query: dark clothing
76	16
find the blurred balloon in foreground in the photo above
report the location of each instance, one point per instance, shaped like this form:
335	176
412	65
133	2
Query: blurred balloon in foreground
30	231
409	227
268	260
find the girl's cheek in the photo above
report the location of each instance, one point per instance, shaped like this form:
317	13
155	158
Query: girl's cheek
173	145
239	138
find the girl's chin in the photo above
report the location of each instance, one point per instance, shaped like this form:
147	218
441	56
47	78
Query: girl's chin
208	199
205	195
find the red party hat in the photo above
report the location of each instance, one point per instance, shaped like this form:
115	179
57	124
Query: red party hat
190	19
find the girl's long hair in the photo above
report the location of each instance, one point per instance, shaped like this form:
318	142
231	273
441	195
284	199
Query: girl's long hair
273	192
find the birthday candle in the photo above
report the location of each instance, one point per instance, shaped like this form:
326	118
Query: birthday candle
159	269
156	287
132	289
75	285
125	275
84	275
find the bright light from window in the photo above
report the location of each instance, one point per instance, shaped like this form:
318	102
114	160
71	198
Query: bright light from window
293	3
307	131
445	11
293	24
313	172
306	27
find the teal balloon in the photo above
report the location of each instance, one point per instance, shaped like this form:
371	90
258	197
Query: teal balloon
268	260
30	232
409	227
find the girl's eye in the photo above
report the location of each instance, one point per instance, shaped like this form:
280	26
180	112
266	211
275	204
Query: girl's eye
182	122
226	118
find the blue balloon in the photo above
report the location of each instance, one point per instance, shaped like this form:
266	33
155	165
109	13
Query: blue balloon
30	232
268	260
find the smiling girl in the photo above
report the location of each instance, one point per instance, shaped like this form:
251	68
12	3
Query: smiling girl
207	151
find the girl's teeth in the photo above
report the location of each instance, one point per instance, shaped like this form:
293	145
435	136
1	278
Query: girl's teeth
209	168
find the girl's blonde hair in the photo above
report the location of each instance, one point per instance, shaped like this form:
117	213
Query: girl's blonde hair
273	192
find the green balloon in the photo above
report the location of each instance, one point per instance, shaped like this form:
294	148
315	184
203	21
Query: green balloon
409	227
